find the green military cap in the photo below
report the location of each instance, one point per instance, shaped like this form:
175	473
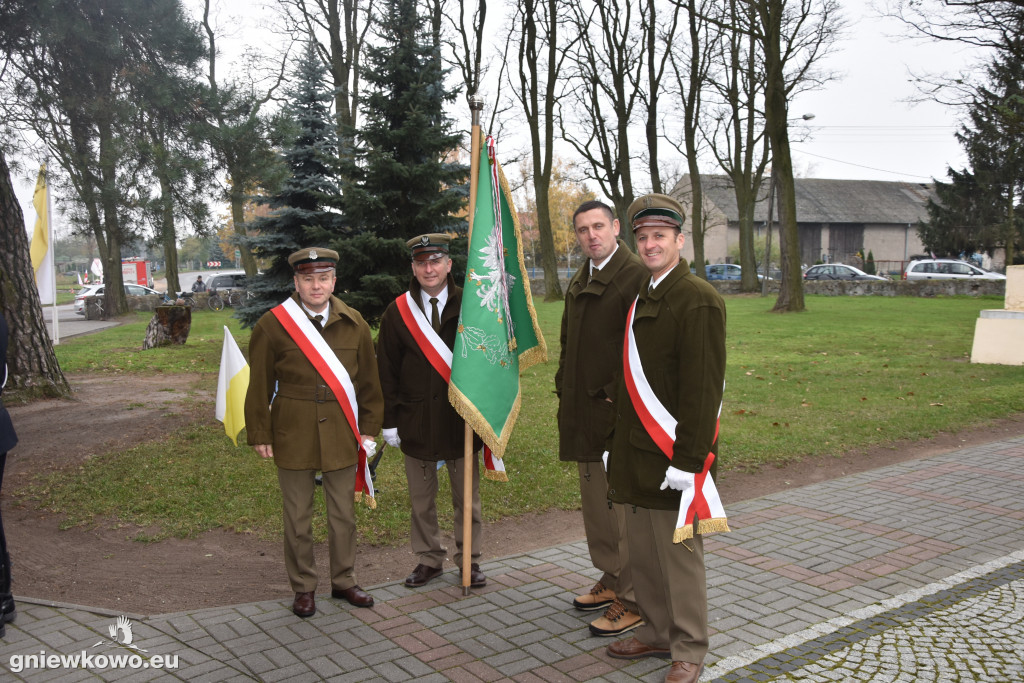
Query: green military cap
656	209
313	260
429	247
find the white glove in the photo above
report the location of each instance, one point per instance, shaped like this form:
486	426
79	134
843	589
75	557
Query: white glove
604	459
391	437
676	479
371	447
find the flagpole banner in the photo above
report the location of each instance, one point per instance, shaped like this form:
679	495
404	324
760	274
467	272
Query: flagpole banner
40	248
232	383
498	335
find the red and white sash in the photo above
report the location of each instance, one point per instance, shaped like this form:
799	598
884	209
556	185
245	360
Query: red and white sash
440	358
429	341
313	345
702	500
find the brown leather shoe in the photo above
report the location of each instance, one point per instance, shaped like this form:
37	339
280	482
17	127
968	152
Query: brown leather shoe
476	577
683	672
304	605
634	649
615	621
599	597
421	575
355	595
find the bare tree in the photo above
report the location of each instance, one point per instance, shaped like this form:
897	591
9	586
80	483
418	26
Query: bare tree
735	130
536	86
338	29
609	59
658	48
33	365
691	64
981	25
237	135
792	35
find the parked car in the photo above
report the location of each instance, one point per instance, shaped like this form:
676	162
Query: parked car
97	290
726	271
947	269
225	282
837	271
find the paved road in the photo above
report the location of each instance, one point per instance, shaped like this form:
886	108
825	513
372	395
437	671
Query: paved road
913	572
70	324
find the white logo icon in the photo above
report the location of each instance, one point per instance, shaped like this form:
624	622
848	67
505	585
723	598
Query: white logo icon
120	634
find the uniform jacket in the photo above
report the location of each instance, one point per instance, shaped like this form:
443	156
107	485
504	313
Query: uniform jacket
8	438
680	336
590	362
415	395
288	404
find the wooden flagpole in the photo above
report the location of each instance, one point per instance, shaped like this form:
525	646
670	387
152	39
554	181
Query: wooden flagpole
476	105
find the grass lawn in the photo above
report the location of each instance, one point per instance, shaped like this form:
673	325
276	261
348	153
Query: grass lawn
850	372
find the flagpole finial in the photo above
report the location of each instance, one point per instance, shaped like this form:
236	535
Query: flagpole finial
476	105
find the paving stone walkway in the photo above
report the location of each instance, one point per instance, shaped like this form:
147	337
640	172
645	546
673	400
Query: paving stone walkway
913	572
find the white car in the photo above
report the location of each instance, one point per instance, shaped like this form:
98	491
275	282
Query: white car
97	290
947	269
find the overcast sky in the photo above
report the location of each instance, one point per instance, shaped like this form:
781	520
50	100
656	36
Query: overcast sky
863	127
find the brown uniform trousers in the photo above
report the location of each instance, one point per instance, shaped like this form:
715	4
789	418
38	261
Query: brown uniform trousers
589	367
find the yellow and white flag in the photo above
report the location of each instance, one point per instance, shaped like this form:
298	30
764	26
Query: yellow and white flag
232	383
41	250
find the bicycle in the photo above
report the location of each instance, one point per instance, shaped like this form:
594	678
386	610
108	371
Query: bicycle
236	296
184	298
232	298
215	301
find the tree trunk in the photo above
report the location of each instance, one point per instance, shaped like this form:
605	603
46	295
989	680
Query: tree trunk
549	263
238	219
114	302
791	290
31	361
748	257
170	325
168	236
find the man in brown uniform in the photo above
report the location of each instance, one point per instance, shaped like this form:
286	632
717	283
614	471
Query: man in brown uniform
293	415
418	418
676	376
596	303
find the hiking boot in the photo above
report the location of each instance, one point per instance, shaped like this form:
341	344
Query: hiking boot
599	597
615	621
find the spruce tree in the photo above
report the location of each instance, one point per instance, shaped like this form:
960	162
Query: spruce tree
983	206
305	211
401	181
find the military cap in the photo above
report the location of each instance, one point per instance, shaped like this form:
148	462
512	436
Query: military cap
429	247
656	209
313	260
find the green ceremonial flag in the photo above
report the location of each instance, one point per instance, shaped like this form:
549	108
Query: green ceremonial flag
498	333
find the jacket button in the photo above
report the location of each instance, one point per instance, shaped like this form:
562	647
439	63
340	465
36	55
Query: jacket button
611	490
323	419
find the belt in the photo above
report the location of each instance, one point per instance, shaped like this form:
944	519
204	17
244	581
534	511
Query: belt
320	393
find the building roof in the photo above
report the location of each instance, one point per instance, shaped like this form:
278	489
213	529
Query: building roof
820	200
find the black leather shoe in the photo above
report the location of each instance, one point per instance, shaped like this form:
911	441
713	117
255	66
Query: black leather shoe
304	605
421	575
355	595
8	611
476	577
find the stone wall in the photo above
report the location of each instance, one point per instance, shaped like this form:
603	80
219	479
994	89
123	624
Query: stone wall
923	288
